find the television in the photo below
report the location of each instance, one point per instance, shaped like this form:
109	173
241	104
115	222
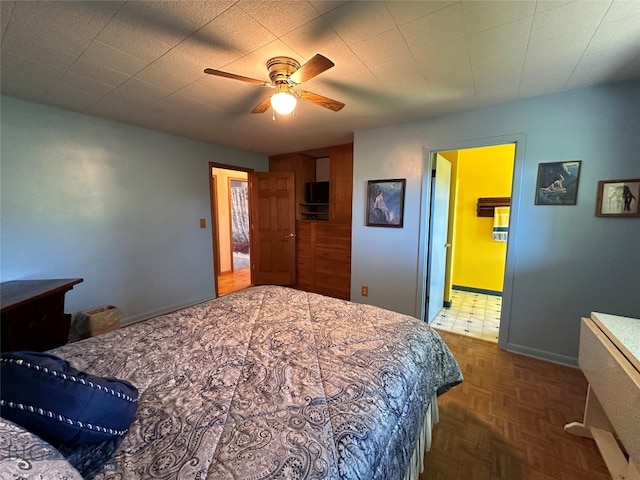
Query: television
317	192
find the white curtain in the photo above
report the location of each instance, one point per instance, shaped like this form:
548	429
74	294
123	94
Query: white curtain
240	213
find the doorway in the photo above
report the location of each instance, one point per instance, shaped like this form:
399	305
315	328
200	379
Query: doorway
230	232
475	276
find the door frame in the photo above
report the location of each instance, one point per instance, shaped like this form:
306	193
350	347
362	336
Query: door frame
519	139
214	216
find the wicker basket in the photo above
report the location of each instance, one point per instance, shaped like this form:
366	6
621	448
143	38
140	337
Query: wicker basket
100	320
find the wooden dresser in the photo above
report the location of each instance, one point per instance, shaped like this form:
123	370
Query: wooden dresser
609	356
33	315
323	256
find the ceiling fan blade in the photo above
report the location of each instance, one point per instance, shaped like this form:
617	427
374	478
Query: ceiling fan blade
233	76
313	67
321	101
263	106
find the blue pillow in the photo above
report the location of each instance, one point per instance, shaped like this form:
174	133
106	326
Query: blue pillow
62	405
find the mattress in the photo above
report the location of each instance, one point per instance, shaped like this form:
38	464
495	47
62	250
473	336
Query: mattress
272	382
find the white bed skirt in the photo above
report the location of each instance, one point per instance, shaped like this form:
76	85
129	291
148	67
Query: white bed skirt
416	466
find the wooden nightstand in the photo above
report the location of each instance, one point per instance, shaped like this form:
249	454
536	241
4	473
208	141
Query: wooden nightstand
32	313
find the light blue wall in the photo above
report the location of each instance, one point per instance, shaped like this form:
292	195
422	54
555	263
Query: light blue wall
116	205
565	261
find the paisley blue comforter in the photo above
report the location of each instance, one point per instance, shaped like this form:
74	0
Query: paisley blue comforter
271	383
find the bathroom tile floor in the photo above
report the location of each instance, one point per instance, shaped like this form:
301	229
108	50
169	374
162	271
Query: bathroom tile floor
473	314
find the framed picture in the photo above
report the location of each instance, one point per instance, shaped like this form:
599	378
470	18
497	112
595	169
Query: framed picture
385	203
558	183
618	198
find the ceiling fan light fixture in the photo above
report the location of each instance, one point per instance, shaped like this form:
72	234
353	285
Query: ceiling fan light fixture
285	74
283	102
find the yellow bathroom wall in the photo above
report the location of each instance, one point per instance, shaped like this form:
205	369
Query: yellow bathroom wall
478	261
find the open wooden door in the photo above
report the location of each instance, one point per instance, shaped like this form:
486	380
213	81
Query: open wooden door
273	226
438	228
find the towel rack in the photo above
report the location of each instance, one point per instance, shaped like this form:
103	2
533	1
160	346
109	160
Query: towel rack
486	205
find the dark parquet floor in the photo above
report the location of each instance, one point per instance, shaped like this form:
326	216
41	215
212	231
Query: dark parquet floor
505	421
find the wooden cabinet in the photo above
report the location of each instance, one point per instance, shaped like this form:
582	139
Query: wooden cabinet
341	182
33	315
314	211
323	239
305	232
323	258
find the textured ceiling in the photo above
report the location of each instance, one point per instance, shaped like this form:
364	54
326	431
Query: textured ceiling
142	62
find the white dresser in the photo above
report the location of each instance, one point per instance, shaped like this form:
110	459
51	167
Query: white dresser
610	359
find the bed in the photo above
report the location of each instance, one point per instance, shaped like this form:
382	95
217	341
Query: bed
272	382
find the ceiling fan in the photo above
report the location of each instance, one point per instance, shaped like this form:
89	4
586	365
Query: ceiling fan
286	74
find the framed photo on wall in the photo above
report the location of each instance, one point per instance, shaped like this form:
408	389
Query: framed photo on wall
558	183
385	203
618	198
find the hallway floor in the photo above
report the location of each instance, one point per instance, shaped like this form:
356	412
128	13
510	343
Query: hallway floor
472	314
233	281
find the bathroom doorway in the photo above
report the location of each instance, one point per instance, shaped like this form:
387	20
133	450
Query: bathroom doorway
476	255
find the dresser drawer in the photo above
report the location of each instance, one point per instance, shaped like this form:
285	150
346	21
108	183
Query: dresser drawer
328	281
333	242
333	229
333	291
333	254
341	269
334	235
